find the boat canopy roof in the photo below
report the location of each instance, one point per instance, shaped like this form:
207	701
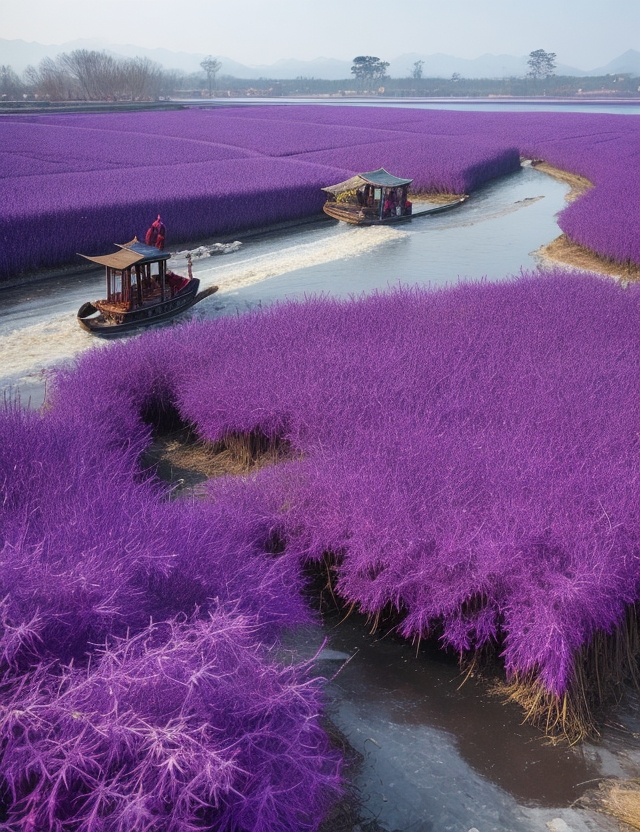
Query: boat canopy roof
378	178
129	254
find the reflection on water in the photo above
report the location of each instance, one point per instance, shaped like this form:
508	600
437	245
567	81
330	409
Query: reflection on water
440	752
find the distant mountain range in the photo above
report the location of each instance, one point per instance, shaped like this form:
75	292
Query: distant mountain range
19	54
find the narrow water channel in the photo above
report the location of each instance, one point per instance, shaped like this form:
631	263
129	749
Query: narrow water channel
437	755
490	236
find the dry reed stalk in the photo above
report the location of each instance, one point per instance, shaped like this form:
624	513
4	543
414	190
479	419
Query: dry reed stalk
617	798
179	455
600	670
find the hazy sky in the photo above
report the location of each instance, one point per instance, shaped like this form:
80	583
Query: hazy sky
583	33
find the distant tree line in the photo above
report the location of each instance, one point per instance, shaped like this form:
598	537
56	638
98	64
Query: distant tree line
85	75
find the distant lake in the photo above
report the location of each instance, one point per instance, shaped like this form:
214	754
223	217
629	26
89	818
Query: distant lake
622	106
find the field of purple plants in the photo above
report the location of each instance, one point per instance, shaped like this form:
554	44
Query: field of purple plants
74	183
468	458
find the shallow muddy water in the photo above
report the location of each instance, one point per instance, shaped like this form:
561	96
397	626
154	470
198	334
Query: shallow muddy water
436	755
442	753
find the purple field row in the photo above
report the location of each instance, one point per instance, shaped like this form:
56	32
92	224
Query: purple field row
83	182
467	457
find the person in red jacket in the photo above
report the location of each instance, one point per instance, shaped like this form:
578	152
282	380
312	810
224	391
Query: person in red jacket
156	234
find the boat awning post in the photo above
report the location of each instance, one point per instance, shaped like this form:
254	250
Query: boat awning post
139	283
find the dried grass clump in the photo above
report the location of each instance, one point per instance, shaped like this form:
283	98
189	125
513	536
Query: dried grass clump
599	673
618	798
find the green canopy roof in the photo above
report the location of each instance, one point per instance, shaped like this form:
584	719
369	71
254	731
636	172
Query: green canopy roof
378	178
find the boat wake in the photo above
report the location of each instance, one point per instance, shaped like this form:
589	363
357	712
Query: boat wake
282	258
28	353
31	351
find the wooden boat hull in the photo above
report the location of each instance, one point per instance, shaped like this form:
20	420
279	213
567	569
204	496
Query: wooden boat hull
357	216
90	318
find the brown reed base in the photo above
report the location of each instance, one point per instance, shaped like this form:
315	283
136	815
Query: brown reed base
177	456
601	671
617	798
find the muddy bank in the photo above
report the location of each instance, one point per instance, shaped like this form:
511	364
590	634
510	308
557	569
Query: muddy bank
564	251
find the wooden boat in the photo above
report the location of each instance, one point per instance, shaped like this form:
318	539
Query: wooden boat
140	290
376	198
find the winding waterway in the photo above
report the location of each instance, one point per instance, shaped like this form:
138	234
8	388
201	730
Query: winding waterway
436	756
492	235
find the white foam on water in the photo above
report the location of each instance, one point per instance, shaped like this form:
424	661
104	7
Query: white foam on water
57	339
287	258
28	351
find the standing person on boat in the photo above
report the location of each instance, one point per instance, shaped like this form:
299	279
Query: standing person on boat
156	234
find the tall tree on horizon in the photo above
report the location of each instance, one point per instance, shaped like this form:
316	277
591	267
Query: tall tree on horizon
541	64
368	69
211	66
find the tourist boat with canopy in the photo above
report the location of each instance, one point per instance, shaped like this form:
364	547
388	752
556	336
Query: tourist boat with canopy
140	290
376	198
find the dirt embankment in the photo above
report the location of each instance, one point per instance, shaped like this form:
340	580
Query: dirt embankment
565	251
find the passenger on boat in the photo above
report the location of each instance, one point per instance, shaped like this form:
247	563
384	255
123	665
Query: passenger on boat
156	233
408	208
389	205
176	282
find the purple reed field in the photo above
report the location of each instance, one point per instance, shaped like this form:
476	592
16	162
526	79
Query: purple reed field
74	183
107	722
468	457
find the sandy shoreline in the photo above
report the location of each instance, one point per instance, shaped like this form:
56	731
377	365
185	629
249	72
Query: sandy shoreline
564	251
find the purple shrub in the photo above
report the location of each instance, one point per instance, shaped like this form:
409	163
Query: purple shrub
186	726
180	726
467	455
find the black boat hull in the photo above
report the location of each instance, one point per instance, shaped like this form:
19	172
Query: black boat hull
90	318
